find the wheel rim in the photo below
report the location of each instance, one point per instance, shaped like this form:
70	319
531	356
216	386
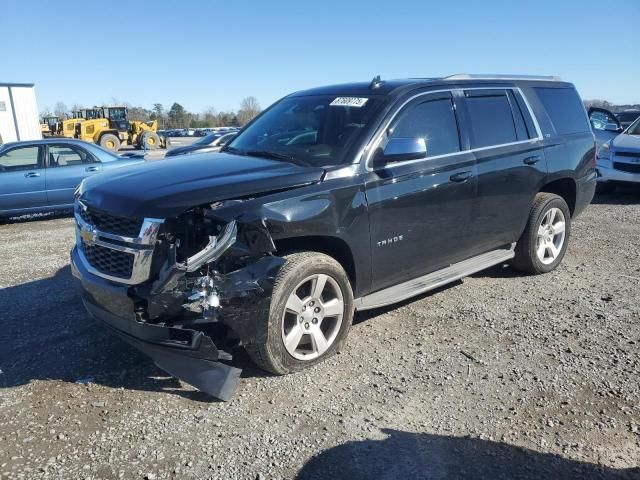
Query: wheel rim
312	317
551	235
110	144
151	141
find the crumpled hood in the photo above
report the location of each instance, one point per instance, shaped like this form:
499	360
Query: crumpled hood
626	142
168	187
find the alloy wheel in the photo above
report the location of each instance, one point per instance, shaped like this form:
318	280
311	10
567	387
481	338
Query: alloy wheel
551	235
312	317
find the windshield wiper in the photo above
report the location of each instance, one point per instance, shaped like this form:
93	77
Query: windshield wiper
236	151
274	155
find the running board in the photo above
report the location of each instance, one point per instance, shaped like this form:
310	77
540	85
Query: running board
433	280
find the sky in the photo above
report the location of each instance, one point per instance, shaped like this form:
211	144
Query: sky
205	54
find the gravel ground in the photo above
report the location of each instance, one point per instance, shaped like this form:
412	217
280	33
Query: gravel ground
497	376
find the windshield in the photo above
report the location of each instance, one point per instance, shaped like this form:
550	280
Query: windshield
207	139
313	130
634	128
117	114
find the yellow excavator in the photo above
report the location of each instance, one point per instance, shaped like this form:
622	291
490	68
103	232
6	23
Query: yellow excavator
112	128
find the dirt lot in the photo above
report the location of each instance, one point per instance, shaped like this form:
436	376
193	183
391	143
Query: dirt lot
498	376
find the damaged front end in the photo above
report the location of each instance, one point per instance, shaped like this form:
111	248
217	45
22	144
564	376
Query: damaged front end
183	290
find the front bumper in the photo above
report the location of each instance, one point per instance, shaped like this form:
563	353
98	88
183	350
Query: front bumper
187	354
608	174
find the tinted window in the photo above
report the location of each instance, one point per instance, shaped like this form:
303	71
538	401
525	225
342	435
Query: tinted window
564	108
23	158
628	116
433	120
491	120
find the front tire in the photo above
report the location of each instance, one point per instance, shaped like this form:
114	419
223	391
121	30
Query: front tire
544	241
151	139
310	314
110	142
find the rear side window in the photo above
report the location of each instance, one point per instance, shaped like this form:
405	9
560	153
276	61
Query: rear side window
491	119
564	108
433	120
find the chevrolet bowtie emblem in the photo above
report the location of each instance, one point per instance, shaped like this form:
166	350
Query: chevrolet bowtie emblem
88	236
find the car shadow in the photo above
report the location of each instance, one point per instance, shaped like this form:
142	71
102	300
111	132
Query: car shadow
622	195
404	455
47	334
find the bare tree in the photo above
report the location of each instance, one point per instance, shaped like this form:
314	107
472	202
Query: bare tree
249	109
60	110
210	117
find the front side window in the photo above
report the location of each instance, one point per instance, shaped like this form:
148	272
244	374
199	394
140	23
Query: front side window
435	121
316	130
66	156
21	158
491	119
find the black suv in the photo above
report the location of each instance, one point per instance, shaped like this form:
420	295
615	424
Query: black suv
335	199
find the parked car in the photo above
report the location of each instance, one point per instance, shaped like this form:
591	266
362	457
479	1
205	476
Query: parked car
211	143
41	175
605	125
619	159
335	199
627	117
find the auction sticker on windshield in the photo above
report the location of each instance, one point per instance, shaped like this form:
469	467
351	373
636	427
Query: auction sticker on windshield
349	102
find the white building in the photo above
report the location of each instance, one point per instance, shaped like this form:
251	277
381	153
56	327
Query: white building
19	118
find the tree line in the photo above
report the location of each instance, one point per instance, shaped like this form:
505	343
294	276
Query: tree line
177	116
610	106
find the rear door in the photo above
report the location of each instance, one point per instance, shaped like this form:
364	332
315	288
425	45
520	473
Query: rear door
67	165
419	210
510	160
22	178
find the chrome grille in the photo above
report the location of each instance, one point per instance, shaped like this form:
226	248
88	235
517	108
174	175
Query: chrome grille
117	248
111	262
627	167
127	227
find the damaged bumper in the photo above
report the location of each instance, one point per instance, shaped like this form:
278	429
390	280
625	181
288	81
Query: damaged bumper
185	353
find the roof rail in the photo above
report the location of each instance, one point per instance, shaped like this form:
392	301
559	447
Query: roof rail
467	76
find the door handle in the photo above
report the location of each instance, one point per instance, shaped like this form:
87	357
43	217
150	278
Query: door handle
460	176
91	169
31	175
531	160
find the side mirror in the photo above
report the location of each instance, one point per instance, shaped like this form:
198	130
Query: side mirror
401	149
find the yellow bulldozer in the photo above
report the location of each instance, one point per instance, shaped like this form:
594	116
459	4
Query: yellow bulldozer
112	128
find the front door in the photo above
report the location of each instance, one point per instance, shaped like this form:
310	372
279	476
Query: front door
66	167
419	209
22	178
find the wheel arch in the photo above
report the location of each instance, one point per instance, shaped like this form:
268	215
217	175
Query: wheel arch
565	188
334	247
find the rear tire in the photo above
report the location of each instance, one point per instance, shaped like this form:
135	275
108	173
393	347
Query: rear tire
310	314
110	142
544	241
